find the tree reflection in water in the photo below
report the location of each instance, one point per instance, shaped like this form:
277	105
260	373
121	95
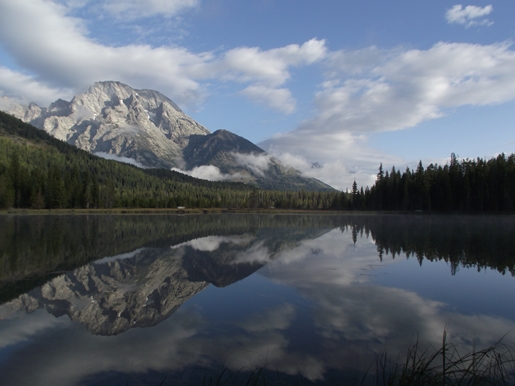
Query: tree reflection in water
314	308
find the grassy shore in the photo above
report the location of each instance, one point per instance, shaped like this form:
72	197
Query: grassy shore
421	365
426	365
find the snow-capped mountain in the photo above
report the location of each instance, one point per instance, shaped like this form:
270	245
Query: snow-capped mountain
113	120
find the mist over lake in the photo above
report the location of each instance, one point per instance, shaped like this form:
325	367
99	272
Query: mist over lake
166	299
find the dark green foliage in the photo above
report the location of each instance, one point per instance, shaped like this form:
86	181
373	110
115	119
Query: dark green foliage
466	186
39	171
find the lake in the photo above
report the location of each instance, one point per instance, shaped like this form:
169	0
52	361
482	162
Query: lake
182	300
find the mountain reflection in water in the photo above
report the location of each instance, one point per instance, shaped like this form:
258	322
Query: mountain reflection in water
309	295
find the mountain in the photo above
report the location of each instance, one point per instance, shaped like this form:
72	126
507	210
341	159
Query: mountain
112	120
144	287
245	162
41	172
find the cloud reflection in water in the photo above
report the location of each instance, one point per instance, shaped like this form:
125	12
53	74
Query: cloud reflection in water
326	314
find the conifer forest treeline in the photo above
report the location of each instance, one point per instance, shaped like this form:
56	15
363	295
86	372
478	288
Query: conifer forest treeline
460	186
41	172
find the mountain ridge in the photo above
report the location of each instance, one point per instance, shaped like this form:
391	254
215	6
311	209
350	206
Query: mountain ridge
112	118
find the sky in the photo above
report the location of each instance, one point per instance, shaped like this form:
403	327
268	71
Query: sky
347	84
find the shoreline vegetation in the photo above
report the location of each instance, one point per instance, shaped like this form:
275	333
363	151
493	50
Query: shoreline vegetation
38	171
421	365
196	211
40	175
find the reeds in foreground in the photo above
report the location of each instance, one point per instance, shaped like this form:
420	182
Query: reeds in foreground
228	378
494	365
423	365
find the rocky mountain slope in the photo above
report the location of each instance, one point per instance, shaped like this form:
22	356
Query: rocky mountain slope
143	288
245	162
112	119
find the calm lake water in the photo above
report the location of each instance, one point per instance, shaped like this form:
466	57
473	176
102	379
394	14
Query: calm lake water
171	300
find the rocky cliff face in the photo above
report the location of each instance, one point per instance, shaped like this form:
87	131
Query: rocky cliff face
114	118
111	118
237	157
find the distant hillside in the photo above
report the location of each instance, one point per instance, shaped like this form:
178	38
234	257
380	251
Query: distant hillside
111	119
40	171
234	155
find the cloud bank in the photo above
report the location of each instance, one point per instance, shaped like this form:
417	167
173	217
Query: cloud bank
132	9
119	158
256	163
66	60
212	173
372	91
363	91
469	16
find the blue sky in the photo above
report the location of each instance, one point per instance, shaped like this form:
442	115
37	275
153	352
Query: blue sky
348	84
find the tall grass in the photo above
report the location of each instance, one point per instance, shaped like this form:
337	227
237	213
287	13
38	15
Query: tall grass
229	378
425	365
421	365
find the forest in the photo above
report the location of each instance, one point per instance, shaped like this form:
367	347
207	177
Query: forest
38	171
459	186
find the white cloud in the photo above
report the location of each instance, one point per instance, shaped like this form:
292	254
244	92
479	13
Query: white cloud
344	157
394	91
29	89
119	158
279	99
270	69
132	9
271	66
212	173
258	163
469	16
418	85
64	58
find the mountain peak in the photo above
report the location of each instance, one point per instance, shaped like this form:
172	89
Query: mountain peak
216	147
115	119
150	99
112	117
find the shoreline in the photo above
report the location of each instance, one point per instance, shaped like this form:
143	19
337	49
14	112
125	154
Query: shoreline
191	211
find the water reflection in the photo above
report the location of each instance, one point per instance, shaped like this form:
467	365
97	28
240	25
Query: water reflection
146	286
36	248
305	295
